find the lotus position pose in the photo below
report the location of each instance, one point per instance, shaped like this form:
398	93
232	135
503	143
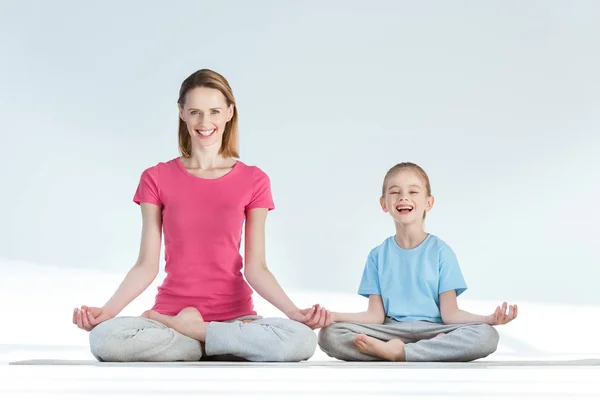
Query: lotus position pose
412	281
200	201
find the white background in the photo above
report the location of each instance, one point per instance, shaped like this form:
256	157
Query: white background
498	101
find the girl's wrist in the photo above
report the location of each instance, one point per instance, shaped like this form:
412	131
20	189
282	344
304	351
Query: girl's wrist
334	317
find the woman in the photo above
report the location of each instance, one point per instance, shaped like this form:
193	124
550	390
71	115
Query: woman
200	201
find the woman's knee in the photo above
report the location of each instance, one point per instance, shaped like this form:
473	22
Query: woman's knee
107	339
125	339
299	343
303	343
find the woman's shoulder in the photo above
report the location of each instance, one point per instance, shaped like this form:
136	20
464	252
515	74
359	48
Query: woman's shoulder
161	166
251	170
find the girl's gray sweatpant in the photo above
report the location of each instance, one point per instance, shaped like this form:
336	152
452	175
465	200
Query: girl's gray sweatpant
130	339
461	342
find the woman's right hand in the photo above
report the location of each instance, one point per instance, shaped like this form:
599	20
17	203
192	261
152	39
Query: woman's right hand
87	318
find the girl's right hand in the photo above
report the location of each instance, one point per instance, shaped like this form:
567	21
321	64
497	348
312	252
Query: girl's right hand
87	318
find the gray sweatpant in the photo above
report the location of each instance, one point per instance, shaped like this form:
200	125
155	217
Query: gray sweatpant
461	342
130	339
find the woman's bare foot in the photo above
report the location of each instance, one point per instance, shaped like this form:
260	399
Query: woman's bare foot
188	322
391	351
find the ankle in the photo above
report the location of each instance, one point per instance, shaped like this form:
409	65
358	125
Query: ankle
398	353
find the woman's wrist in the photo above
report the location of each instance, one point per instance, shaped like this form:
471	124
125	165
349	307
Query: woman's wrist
290	311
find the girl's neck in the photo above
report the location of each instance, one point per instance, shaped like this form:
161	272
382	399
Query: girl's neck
410	236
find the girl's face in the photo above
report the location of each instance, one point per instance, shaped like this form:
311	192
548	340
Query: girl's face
406	198
205	113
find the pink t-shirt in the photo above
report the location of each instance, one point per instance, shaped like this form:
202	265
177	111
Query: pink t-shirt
202	228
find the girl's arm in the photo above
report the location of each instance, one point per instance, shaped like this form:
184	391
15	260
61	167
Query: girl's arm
256	271
451	314
139	277
375	313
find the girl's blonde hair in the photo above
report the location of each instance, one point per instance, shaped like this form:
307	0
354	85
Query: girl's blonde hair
411	167
209	79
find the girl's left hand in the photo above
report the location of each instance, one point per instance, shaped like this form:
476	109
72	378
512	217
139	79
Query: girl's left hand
500	316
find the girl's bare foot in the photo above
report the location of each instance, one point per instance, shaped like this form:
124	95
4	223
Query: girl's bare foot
188	322
391	351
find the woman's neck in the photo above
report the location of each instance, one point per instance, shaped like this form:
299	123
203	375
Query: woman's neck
207	159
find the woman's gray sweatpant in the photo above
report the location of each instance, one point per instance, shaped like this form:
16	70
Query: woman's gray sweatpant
461	342
130	339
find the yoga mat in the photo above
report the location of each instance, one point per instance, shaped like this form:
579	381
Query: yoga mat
318	364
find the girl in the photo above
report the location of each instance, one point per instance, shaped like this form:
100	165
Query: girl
412	281
200	201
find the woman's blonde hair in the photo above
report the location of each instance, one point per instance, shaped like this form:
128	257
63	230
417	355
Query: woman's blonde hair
209	79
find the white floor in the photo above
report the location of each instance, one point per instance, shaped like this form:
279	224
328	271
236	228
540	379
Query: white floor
38	301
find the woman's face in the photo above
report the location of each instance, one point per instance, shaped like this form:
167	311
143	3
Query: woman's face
205	113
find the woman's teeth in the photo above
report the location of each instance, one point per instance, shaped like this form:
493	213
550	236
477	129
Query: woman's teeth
205	133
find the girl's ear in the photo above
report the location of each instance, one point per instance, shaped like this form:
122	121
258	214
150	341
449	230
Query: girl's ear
430	201
382	203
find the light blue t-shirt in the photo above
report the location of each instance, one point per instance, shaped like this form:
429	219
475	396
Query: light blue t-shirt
409	281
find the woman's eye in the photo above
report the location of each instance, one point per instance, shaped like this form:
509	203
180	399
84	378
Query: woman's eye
215	111
194	112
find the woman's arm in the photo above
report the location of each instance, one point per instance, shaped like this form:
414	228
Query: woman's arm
145	270
375	313
451	314
139	277
256	271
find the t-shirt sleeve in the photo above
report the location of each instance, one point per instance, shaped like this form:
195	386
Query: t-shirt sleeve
451	276
147	190
261	193
369	284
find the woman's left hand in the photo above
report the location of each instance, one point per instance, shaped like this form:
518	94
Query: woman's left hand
314	317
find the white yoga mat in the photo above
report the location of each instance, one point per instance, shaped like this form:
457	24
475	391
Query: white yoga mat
319	364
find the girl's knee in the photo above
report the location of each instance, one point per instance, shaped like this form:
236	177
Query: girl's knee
488	339
329	338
